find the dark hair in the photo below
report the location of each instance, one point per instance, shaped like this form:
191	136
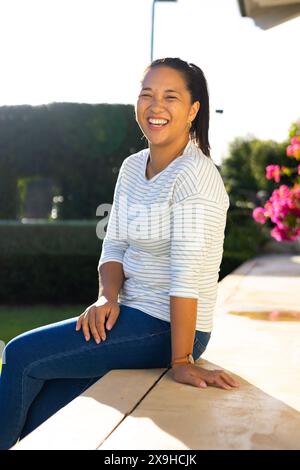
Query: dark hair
197	86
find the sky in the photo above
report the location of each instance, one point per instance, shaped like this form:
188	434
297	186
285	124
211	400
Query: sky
95	51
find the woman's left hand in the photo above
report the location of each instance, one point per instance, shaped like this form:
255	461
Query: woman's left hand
194	375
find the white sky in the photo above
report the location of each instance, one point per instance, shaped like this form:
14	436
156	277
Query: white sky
94	51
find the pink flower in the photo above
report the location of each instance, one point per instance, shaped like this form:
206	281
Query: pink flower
279	234
293	150
273	171
294	201
290	150
296	151
258	215
283	206
285	233
277	206
295	140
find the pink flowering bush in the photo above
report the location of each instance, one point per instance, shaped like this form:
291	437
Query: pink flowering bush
283	207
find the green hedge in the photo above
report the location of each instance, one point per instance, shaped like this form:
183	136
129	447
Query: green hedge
49	262
77	147
244	239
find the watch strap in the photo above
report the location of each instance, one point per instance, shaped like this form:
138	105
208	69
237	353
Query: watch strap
188	359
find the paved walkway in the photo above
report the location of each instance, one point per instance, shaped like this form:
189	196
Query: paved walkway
258	344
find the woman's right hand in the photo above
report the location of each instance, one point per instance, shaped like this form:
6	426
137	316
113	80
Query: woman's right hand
93	318
192	374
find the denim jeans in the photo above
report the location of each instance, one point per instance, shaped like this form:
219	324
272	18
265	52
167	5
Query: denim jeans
47	367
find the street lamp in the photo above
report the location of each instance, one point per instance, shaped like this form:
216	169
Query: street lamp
152	30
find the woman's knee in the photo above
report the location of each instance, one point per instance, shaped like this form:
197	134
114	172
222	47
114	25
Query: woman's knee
15	350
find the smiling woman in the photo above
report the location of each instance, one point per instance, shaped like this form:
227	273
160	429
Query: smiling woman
180	89
157	282
173	278
172	106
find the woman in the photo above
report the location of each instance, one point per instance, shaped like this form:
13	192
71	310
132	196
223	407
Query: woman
157	293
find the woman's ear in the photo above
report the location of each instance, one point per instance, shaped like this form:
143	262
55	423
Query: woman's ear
195	108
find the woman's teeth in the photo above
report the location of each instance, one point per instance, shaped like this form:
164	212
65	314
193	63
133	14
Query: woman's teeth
157	122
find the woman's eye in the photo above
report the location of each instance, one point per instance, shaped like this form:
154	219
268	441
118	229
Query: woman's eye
171	97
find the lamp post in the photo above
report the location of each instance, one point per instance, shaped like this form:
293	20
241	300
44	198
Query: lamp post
152	29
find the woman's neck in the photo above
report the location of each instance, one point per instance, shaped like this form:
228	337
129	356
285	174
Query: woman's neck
160	156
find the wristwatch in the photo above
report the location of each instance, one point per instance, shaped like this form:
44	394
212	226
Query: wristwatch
188	359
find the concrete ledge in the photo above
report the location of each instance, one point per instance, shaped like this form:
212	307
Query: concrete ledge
87	421
147	409
175	416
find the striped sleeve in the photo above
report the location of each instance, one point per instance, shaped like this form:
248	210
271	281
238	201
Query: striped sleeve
113	246
197	236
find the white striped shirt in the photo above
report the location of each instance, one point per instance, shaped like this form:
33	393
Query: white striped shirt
144	233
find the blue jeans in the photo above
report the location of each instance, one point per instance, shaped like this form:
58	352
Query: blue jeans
47	367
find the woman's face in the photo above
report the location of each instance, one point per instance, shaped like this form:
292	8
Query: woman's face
163	95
